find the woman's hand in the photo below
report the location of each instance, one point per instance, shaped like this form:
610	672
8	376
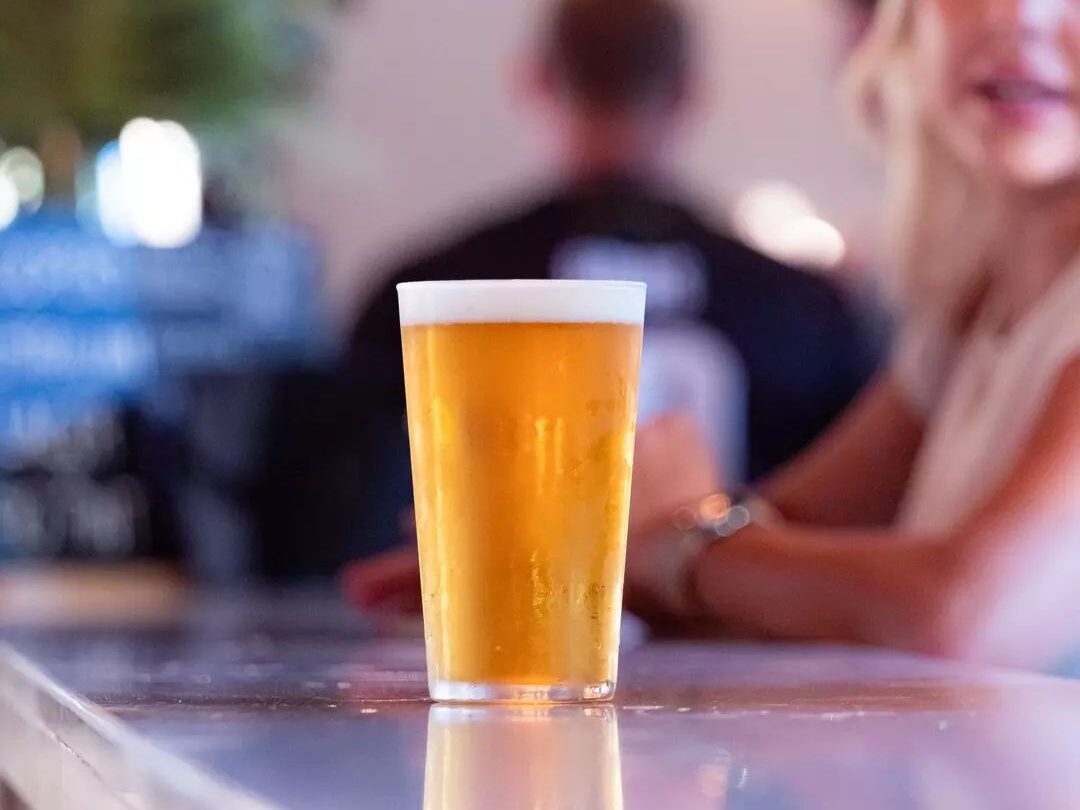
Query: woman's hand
672	467
388	583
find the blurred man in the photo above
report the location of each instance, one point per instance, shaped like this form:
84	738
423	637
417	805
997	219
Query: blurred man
763	354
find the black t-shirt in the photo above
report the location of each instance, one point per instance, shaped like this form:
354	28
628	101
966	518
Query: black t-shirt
803	347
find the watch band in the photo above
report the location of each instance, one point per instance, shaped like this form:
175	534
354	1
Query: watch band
693	531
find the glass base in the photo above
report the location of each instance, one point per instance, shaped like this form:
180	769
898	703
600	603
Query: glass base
455	692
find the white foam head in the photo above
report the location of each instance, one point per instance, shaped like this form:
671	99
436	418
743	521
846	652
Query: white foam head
541	301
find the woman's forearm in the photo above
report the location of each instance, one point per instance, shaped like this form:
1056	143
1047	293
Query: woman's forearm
856	587
856	473
1000	587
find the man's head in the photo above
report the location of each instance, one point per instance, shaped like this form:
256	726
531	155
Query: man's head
617	71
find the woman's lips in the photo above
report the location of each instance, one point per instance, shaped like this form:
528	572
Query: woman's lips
1021	99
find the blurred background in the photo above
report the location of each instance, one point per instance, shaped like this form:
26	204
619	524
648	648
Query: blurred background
428	101
198	198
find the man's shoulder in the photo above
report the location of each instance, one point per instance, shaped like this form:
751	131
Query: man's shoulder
733	263
731	258
734	260
802	299
479	248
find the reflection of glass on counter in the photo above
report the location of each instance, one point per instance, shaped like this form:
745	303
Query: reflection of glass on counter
535	757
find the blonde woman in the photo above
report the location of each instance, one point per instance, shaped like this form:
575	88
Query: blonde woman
943	513
967	453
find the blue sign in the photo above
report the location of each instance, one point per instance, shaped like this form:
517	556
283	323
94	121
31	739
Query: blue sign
89	328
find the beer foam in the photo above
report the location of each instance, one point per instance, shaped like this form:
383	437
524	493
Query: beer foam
539	301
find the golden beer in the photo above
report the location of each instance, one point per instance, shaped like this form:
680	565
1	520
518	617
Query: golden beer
541	757
521	427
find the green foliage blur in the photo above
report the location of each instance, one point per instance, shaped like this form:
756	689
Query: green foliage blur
95	64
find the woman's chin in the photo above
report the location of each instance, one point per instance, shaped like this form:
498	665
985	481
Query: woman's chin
1030	164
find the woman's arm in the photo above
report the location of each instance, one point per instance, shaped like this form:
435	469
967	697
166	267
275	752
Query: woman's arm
856	474
852	476
1004	587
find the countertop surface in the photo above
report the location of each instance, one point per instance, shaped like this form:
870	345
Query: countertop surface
293	702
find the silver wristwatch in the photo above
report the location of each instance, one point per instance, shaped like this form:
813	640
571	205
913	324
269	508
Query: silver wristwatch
694	530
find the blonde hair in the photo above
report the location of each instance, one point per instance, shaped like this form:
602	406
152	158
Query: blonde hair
938	220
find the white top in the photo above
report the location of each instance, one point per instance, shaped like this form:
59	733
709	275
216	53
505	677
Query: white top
525	301
981	397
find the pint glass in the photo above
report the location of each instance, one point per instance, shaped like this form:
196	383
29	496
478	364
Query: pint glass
522	398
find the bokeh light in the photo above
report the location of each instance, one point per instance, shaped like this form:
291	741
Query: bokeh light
25	171
9	201
112	203
779	220
149	185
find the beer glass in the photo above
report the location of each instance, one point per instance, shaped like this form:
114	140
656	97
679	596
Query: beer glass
522	401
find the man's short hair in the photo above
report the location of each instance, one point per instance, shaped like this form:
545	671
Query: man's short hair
619	56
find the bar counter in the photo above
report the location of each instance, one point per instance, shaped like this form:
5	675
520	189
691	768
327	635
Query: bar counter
257	702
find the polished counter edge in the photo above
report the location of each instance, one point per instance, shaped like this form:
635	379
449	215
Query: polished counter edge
58	751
